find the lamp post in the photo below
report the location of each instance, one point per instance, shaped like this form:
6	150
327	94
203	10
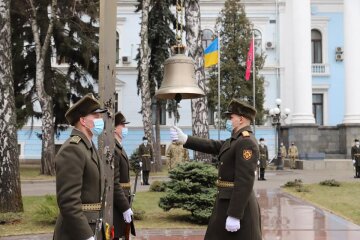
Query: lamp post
276	117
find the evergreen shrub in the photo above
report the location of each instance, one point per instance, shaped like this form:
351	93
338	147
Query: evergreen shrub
330	183
191	188
157	186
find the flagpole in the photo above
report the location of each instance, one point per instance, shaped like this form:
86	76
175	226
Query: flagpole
254	92
218	112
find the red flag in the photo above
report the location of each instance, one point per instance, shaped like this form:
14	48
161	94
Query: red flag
249	60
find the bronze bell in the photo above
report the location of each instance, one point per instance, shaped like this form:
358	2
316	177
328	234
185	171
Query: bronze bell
179	78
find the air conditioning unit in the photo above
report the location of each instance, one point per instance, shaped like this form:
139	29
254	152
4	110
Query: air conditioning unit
269	45
126	60
339	50
339	57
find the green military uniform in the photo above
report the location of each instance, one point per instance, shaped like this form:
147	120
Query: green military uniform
264	157
122	172
146	155
293	154
176	154
355	155
238	158
80	180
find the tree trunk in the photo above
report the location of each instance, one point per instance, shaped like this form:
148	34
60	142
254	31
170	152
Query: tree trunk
10	189
199	106
157	149
144	73
48	143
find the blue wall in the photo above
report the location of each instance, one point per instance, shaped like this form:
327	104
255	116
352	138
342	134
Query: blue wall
31	144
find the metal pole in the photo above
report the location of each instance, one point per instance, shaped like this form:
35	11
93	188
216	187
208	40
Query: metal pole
253	75
107	50
218	111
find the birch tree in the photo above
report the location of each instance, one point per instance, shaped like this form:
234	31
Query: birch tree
10	190
199	106
46	102
144	72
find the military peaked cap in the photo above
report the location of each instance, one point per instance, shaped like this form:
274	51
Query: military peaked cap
86	105
356	140
145	138
120	119
241	108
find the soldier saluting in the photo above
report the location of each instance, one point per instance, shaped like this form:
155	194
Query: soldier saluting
80	178
236	214
355	156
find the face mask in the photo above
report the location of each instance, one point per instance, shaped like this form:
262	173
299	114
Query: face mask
357	144
98	126
145	142
124	132
228	125
262	143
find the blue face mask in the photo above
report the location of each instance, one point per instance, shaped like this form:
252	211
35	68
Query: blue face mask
124	132
228	125
98	126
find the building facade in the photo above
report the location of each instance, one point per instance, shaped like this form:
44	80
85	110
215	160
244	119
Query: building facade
311	49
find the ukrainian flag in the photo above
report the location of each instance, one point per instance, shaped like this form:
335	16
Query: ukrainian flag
211	53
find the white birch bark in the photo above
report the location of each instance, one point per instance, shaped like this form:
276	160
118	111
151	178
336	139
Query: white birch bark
46	104
144	72
199	106
10	189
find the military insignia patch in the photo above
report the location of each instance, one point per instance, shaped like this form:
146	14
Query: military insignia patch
75	139
247	154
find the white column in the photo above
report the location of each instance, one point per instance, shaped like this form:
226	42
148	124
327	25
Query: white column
301	47
351	60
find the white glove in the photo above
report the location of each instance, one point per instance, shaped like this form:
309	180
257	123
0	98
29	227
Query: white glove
258	163
232	224
177	133
140	164
91	238
353	161
127	215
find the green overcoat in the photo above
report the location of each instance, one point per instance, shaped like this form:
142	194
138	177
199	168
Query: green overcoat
238	158
80	180
146	154
122	172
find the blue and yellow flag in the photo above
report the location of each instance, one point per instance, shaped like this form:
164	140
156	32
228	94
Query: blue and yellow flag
211	53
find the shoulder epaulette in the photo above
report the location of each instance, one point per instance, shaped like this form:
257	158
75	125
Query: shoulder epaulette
245	134
75	139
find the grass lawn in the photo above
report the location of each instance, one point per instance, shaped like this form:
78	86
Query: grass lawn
32	172
154	216
343	201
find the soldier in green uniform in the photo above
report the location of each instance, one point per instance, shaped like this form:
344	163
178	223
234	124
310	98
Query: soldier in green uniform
263	160
355	156
236	214
176	154
146	155
80	178
122	172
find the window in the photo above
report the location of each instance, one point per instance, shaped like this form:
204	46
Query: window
318	108
117	48
162	112
257	41
316	46
57	147
207	37
211	116
116	102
